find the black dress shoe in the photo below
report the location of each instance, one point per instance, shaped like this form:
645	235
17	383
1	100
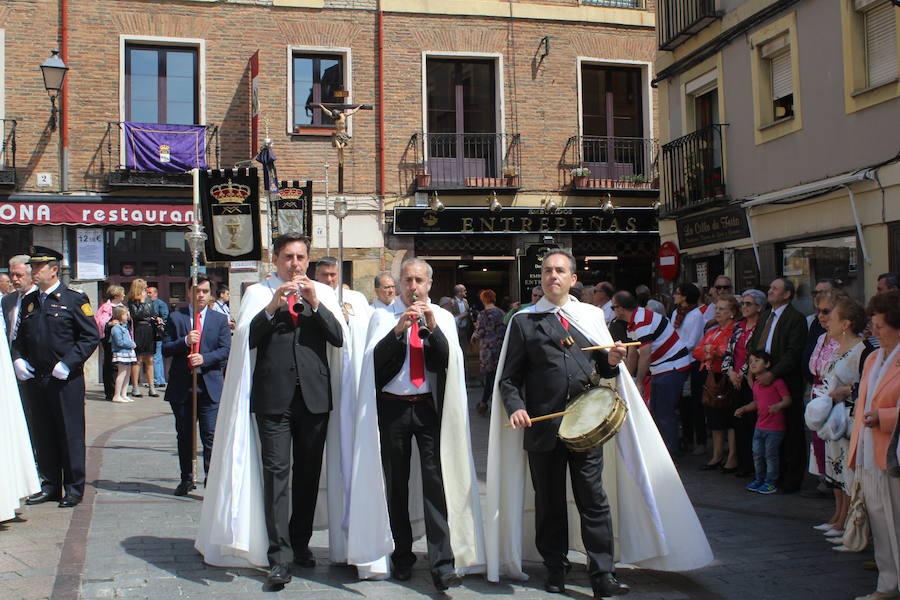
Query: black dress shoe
278	577
184	487
69	502
307	561
608	585
556	582
402	573
447	580
42	496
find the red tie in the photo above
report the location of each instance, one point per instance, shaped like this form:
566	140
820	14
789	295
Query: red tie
416	357
291	302
565	323
195	348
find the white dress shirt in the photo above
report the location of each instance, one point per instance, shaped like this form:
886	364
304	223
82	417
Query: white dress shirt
608	312
776	314
400	384
202	320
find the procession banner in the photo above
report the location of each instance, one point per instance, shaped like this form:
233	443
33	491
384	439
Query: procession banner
229	204
164	148
254	101
294	209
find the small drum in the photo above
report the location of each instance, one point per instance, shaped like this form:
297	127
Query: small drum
598	414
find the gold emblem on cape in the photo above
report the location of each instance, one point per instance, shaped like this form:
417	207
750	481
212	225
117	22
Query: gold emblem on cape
86	309
349	308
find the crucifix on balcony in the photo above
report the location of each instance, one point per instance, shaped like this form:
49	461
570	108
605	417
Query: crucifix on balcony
340	139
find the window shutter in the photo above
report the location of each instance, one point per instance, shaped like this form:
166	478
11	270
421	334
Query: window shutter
782	78
881	44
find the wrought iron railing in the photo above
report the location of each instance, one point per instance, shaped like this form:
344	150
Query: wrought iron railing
463	160
120	175
8	153
592	161
677	20
615	3
693	176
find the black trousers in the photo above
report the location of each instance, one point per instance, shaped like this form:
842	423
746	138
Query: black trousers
290	525
548	476
693	417
58	427
108	372
743	430
793	449
207	411
398	422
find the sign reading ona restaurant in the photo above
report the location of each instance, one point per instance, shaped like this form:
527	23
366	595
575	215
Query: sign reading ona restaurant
94	213
411	220
713	227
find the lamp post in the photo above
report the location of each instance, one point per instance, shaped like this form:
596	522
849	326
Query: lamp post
340	211
54	71
195	238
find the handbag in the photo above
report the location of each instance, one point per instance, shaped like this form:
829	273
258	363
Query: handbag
836	424
856	527
718	394
817	412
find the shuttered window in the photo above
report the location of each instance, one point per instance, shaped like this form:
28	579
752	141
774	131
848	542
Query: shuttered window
881	44
782	79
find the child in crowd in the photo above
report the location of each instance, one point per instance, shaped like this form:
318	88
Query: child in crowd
123	355
769	402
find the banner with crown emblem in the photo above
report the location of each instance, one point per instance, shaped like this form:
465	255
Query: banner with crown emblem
230	208
294	209
164	148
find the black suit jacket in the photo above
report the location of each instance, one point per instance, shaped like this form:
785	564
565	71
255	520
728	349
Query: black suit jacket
289	356
7	303
63	330
390	354
215	343
787	347
541	375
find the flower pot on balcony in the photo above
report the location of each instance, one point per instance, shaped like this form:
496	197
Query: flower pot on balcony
423	180
512	181
579	181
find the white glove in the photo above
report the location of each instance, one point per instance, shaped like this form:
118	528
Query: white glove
61	371
24	371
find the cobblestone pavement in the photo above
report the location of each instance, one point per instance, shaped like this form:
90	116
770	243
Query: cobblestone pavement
132	538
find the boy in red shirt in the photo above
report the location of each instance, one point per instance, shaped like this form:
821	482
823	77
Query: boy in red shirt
769	402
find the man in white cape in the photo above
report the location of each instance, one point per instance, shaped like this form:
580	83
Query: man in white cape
232	530
370	535
663	535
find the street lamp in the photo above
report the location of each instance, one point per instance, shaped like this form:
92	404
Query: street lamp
54	72
494	204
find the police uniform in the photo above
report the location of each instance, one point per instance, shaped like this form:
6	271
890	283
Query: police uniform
56	335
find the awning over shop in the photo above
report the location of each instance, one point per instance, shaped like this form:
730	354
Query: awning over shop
59	209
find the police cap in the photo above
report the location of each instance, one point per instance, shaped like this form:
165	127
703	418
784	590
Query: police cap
42	254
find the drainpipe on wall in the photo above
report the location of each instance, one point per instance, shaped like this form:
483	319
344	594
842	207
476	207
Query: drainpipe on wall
379	51
64	100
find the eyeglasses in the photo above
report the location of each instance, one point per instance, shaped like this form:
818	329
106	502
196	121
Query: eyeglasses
824	311
722	287
748	303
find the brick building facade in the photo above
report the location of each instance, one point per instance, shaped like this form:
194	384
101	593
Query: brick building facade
490	99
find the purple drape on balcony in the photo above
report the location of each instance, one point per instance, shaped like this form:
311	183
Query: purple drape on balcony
164	148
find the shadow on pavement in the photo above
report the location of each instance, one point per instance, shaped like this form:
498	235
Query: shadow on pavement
178	557
141	487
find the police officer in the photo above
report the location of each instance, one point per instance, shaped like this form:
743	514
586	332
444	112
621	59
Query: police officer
57	333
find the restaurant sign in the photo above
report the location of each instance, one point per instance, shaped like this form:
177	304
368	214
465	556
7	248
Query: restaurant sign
411	220
83	213
713	227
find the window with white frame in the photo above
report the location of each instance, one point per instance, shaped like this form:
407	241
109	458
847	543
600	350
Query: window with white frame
776	55
162	84
315	78
880	40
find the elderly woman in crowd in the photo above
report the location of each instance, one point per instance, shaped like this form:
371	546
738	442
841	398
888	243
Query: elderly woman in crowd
489	329
875	419
845	325
718	397
735	366
820	359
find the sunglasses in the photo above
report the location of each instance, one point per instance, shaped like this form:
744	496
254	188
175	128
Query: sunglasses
748	303
824	311
722	287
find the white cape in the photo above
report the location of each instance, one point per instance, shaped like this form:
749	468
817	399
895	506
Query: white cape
18	475
637	472
369	531
232	530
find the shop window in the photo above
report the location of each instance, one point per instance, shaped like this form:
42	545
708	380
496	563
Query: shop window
177	291
149	269
175	241
122	241
807	262
15	240
315	78
161	84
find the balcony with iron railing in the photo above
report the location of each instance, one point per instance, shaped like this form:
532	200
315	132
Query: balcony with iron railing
462	161
638	4
678	20
122	176
692	173
591	163
8	154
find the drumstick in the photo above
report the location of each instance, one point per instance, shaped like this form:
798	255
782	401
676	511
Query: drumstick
550	416
611	346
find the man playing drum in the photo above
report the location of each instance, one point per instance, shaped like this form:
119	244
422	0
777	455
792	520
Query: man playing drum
544	369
